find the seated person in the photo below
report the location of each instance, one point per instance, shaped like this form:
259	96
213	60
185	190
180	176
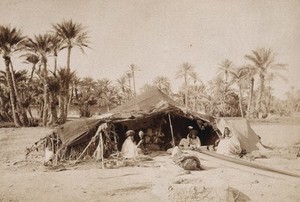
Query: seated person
229	144
129	148
141	139
192	141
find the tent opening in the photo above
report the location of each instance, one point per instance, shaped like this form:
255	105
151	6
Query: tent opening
157	130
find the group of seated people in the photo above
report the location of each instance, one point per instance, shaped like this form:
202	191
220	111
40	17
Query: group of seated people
228	144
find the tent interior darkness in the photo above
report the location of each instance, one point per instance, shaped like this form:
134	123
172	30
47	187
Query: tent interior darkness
157	130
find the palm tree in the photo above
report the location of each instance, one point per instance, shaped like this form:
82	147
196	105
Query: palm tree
72	35
221	98
250	79
184	71
124	88
146	87
108	98
199	95
65	78
106	92
42	46
5	104
238	76
56	46
224	68
33	59
263	61
54	87
194	88
75	86
163	83
132	69
11	41
129	76
86	96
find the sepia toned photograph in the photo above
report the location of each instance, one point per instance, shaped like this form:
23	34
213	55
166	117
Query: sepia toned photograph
149	100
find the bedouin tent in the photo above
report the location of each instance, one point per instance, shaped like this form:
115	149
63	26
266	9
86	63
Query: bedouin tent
241	128
153	112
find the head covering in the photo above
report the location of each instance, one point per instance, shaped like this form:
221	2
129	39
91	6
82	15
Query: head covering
141	133
227	128
130	133
190	127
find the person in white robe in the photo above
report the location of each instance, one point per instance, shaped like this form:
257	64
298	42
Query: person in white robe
129	148
229	145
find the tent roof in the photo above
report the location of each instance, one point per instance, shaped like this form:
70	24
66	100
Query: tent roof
151	103
242	129
146	105
73	131
146	101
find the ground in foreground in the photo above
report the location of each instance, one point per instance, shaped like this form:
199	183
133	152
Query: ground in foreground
156	180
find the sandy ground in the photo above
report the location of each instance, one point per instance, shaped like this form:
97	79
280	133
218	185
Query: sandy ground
156	180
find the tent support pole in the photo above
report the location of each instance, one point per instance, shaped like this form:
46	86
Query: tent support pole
101	143
92	140
173	140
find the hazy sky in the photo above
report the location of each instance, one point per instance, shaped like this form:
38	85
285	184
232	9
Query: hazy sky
159	35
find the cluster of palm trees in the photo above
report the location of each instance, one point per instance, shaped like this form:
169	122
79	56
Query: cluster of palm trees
225	95
37	51
53	90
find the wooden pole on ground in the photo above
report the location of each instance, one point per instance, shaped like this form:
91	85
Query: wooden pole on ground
173	140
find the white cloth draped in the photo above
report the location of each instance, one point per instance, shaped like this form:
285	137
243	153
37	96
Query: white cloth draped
129	149
229	146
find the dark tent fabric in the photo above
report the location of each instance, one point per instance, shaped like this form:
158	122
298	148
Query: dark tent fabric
146	101
73	131
148	104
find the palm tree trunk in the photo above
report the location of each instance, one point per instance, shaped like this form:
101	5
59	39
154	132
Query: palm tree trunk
129	94
67	94
186	91
133	79
240	101
194	104
76	92
46	102
31	74
41	109
46	95
24	118
12	96
55	63
65	106
29	112
61	105
260	94
250	97
52	108
69	59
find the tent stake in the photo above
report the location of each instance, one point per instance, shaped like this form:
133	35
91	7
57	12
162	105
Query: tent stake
173	140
